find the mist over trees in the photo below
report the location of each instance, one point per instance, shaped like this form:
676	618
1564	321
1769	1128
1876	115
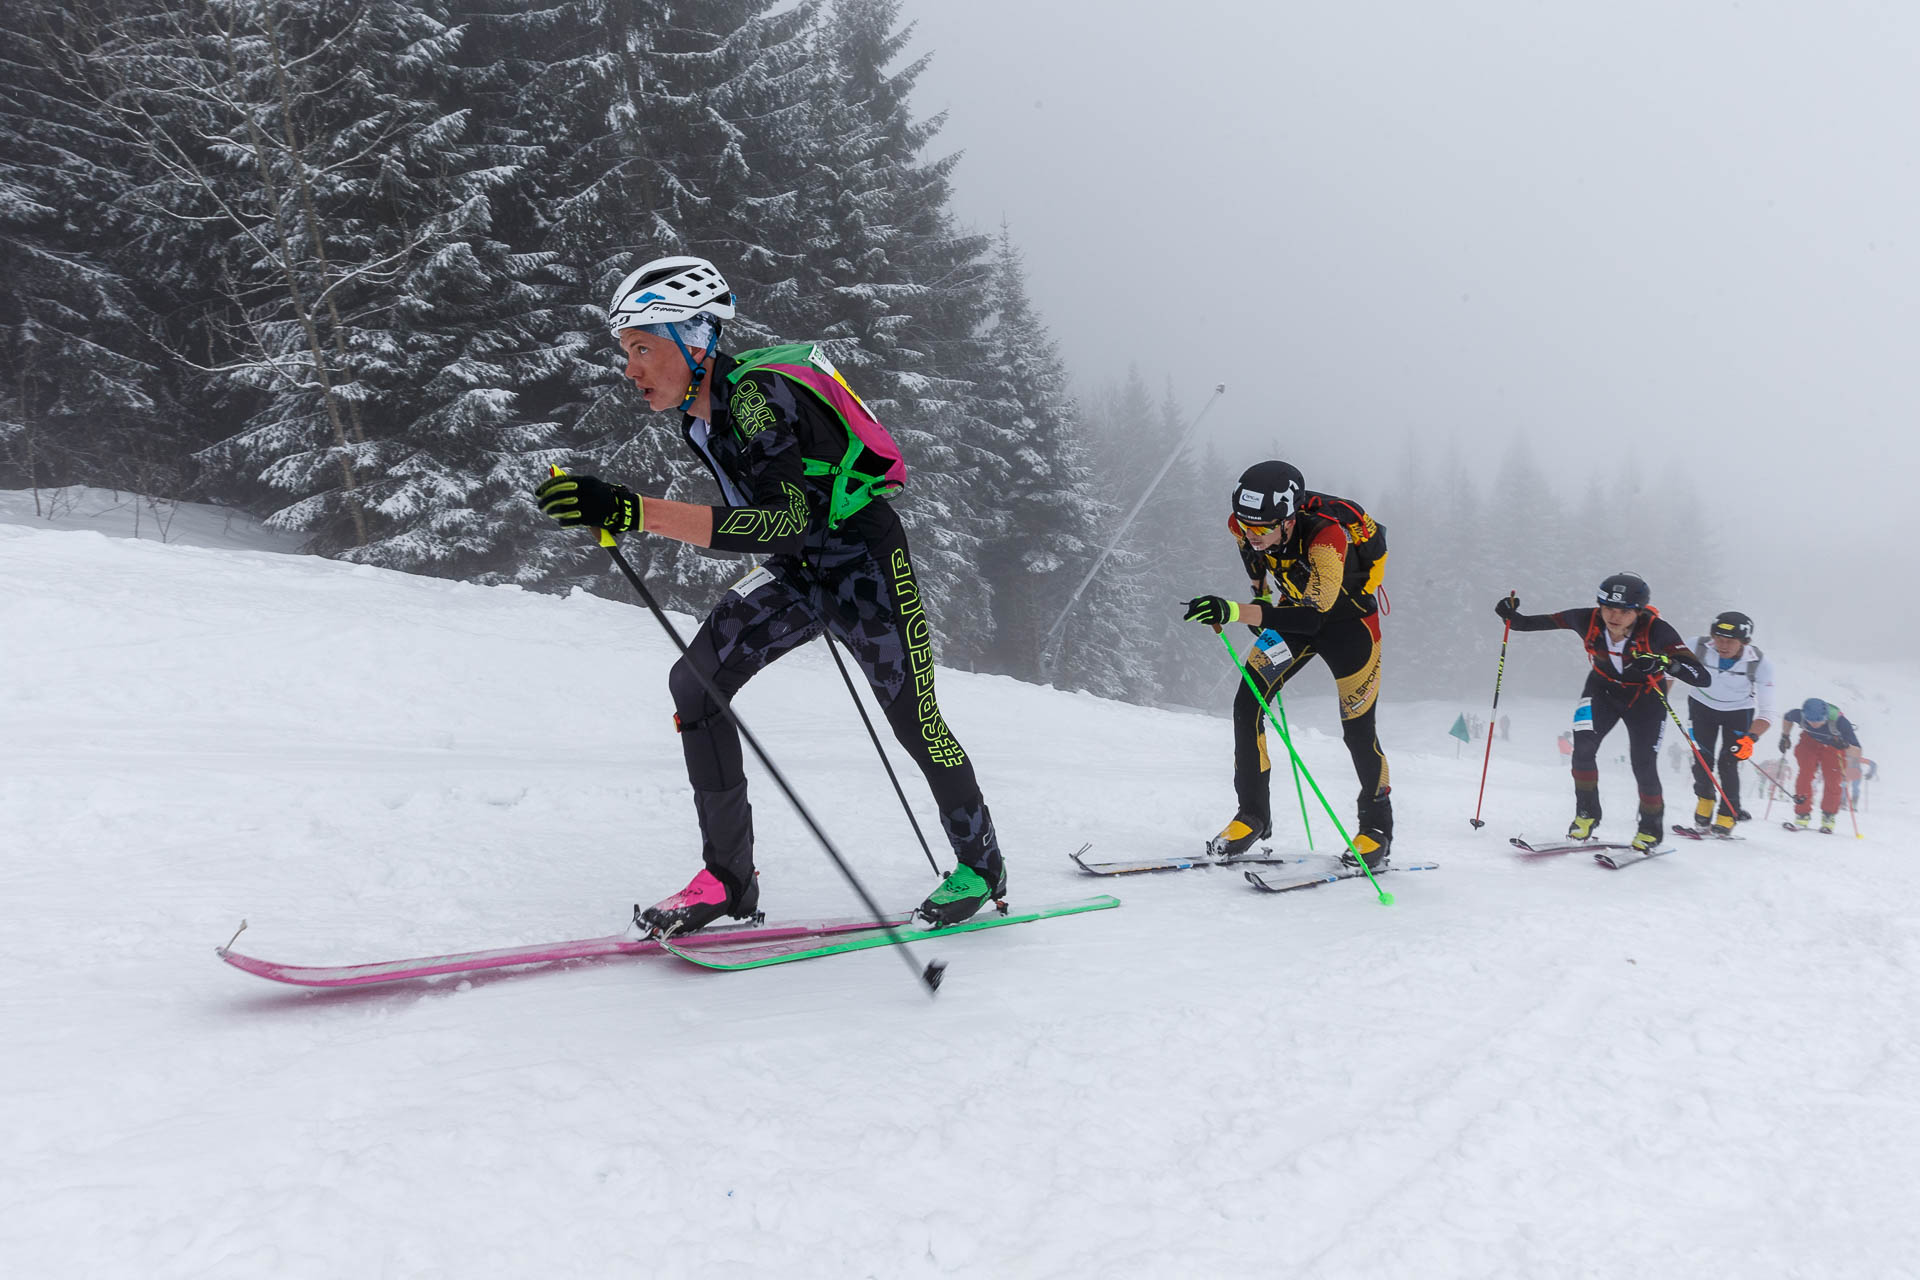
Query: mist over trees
343	263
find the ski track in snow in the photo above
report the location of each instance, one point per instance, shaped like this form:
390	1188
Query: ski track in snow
1703	1066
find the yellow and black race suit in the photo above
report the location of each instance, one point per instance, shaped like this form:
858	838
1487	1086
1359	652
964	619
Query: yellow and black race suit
1324	582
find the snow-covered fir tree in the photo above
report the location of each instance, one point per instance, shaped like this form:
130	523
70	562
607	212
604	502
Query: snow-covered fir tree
81	383
1048	504
316	137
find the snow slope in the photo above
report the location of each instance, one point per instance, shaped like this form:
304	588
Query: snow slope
1704	1066
120	514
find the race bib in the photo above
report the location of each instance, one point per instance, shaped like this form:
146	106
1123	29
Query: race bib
1274	649
1583	716
760	577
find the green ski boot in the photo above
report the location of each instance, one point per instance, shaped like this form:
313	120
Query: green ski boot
964	892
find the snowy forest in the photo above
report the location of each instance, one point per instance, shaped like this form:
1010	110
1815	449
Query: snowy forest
344	265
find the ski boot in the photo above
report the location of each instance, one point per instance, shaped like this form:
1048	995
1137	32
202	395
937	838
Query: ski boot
1239	836
1643	841
704	900
1722	825
1703	813
1582	828
1800	821
1826	824
1374	846
965	890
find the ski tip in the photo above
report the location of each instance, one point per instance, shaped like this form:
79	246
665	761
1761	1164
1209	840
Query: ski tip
933	975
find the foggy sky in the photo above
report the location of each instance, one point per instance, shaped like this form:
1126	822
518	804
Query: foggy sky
1687	230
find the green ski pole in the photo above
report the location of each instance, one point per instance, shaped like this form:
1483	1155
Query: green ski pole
1298	794
1386	899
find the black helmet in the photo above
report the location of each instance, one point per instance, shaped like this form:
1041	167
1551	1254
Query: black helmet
1268	493
1625	591
1732	626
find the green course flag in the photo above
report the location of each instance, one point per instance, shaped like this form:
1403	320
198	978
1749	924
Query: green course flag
1459	729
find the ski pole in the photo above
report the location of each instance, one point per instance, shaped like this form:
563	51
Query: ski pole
1654	684
885	763
935	969
1775	783
1846	789
1386	899
1299	796
1499	674
1778	786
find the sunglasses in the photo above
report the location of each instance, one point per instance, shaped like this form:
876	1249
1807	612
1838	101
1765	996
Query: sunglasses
1258	530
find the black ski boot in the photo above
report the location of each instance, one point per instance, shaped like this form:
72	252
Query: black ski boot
1374	845
1240	835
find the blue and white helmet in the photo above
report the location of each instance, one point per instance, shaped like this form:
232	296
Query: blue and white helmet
670	289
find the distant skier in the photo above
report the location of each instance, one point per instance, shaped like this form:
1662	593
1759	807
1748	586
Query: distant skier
1315	563
1630	647
1864	770
1828	747
800	462
1733	710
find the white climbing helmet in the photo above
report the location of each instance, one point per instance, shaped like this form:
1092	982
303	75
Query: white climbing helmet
669	289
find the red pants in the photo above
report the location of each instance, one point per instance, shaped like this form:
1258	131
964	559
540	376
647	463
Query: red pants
1830	763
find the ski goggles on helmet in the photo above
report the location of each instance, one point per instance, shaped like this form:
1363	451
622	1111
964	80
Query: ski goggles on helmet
1256	530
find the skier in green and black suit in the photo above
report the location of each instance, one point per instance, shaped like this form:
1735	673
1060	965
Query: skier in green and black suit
801	465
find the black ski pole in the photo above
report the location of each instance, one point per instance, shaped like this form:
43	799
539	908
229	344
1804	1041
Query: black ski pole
935	969
1783	788
885	763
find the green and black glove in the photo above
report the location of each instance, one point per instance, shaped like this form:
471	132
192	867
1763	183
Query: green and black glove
1648	665
591	501
1212	610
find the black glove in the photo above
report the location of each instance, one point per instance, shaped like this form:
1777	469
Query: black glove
590	501
1508	609
1786	740
1645	666
1211	610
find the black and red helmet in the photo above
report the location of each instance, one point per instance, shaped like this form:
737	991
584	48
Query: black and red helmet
1625	591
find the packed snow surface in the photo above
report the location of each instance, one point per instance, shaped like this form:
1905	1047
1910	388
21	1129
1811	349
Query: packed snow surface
1706	1065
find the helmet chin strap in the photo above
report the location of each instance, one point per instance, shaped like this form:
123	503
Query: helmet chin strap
695	367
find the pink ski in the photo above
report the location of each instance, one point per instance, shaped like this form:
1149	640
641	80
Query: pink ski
618	944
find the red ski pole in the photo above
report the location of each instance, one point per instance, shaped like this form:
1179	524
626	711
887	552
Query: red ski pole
1773	784
1487	759
1846	789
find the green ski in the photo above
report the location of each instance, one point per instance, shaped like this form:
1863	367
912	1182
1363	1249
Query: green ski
722	953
